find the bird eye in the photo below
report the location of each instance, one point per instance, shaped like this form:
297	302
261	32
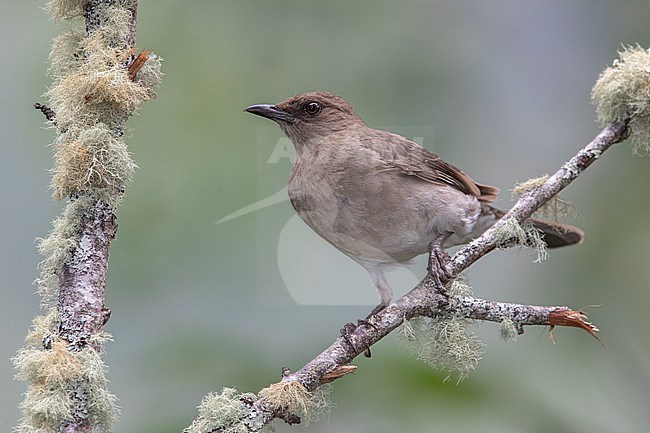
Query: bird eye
312	108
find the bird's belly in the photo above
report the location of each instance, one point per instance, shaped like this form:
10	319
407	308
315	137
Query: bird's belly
383	223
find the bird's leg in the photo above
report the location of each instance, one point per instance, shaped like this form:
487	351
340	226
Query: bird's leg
437	262
385	294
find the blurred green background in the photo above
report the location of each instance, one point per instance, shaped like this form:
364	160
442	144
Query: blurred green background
498	88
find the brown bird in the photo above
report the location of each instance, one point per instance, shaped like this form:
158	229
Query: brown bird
376	196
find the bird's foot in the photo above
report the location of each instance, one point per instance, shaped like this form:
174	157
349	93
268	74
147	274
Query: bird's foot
350	327
438	259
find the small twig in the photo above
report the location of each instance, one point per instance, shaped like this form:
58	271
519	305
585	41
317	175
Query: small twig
137	64
47	111
568	317
339	371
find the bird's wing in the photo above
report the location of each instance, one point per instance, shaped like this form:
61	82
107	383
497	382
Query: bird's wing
411	159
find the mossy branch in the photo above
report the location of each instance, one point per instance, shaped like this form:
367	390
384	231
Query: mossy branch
529	202
96	87
443	314
438	330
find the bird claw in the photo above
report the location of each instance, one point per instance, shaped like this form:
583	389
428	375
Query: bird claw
347	329
437	268
365	322
350	327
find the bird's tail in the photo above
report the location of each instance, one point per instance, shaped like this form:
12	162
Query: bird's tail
559	235
555	234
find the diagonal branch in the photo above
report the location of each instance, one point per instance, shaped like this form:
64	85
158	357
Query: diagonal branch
531	201
426	299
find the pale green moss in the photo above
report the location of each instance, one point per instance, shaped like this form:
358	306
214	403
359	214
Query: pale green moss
525	235
444	344
43	328
52	368
91	159
44	408
91	78
56	373
297	400
556	209
221	411
623	90
99	90
451	347
116	24
150	76
66	55
102	407
65	9
412	334
92	96
508	330
460	286
58	246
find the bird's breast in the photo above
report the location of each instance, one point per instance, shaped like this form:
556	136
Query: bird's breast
372	214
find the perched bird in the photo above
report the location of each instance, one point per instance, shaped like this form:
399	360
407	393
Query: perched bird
376	196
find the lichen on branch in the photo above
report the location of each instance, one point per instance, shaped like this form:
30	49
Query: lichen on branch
623	91
92	95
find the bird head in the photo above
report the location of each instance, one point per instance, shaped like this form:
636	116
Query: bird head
309	118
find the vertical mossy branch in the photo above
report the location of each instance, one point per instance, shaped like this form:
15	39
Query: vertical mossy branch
82	278
96	88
